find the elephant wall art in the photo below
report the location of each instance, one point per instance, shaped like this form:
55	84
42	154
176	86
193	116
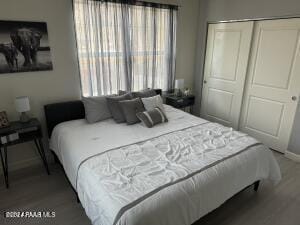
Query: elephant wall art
24	47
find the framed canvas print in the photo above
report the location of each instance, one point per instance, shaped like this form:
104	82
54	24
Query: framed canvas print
24	47
3	119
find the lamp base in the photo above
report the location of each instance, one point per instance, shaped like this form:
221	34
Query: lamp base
24	118
178	93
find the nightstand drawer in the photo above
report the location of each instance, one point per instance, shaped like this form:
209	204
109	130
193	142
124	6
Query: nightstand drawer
180	102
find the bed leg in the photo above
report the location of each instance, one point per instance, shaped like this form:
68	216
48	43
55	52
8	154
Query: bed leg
55	157
256	185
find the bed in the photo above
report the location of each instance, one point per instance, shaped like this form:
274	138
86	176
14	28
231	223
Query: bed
173	173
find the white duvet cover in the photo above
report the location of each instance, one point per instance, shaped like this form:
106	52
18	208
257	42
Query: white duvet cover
172	174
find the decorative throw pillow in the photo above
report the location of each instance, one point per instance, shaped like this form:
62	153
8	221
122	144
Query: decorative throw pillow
96	109
131	108
152	102
140	94
114	106
152	117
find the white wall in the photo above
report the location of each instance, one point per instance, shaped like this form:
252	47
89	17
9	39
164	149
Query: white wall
63	82
42	87
187	30
187	40
220	10
294	145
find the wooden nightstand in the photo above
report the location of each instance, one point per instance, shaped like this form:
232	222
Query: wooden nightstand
181	102
30	131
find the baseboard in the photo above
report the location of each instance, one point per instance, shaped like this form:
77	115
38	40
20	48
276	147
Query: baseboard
292	156
26	163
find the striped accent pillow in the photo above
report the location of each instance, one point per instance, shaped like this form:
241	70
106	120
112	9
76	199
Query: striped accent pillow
152	117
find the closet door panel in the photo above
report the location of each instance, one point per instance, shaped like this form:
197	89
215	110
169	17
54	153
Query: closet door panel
272	81
227	52
275	54
226	43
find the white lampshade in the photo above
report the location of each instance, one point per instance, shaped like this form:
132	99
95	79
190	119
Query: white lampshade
22	104
179	84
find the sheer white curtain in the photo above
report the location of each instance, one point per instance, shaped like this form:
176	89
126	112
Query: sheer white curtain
125	46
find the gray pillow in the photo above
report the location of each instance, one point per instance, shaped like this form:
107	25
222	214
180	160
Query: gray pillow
96	109
144	93
123	92
131	108
114	106
152	117
140	94
152	102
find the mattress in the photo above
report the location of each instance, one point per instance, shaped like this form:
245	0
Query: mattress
173	173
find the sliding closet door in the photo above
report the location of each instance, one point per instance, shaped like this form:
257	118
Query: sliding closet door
273	82
227	52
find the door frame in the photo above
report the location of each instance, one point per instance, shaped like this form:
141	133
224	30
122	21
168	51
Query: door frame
255	19
297	16
233	21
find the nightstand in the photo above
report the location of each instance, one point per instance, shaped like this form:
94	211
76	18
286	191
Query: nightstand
181	102
18	133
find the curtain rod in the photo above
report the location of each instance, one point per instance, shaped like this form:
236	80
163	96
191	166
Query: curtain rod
179	6
141	2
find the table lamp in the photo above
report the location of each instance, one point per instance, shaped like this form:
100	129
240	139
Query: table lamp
179	84
22	106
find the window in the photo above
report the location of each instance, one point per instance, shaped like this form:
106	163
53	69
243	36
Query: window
125	46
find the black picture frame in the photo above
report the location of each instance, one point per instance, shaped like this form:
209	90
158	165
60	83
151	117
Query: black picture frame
24	47
4	122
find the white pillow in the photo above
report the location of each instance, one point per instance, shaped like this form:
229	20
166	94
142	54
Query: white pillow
152	102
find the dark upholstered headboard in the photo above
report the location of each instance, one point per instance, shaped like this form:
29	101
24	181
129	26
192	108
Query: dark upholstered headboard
65	111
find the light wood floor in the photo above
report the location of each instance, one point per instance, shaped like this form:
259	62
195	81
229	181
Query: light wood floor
31	189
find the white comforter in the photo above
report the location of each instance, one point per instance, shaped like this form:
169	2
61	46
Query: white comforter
173	173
